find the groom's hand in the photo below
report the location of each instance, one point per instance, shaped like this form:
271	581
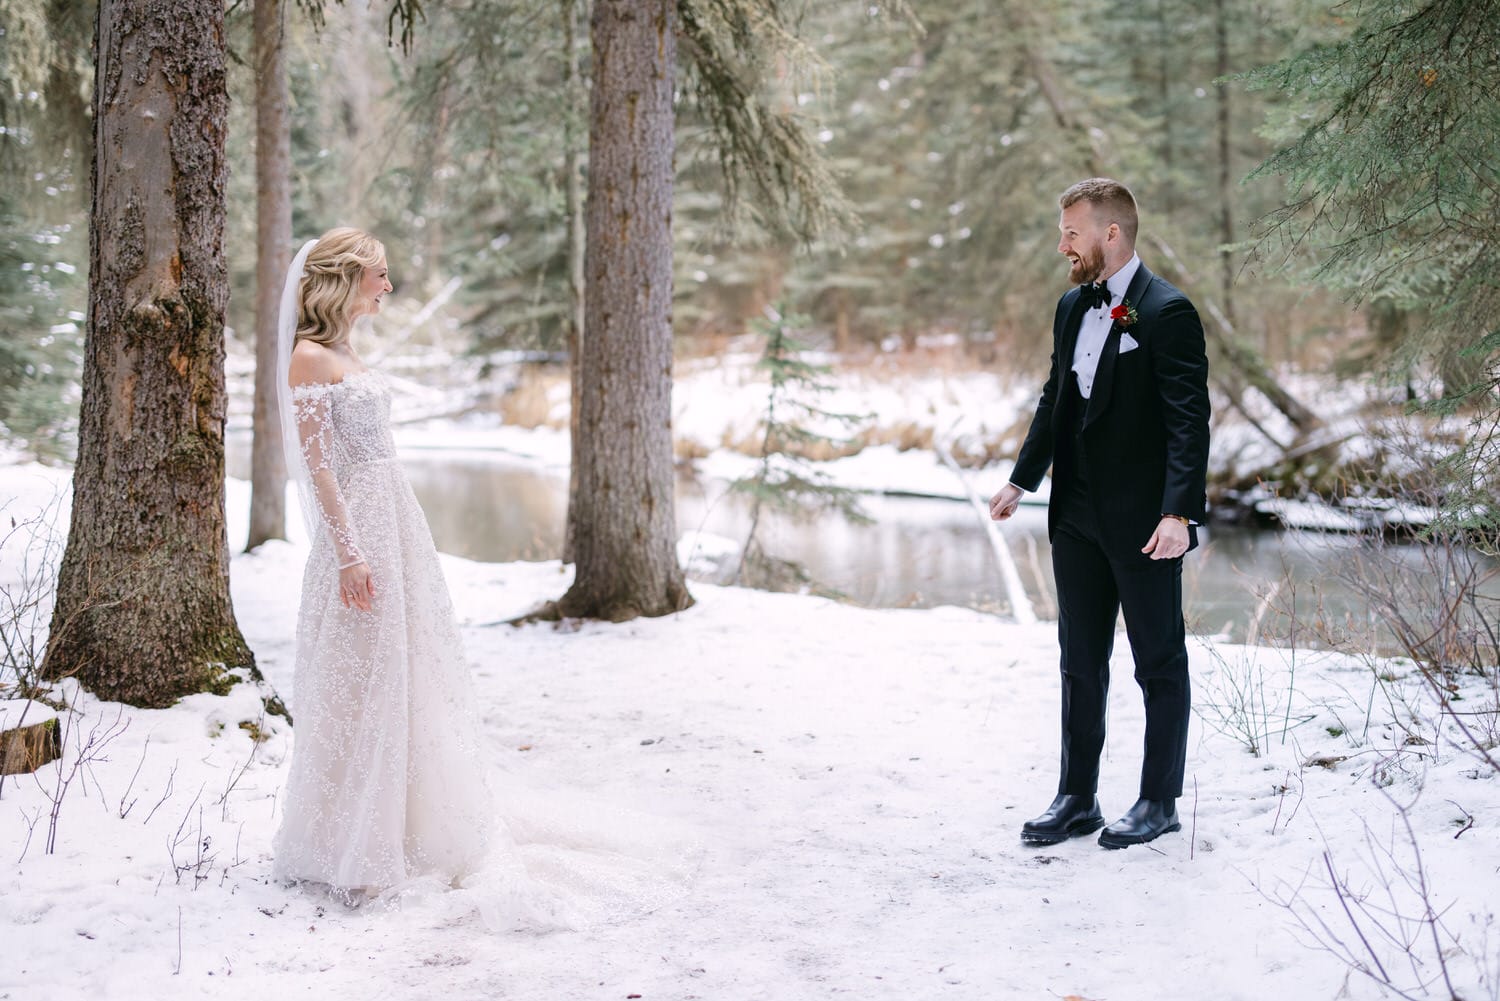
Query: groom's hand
1004	504
1169	541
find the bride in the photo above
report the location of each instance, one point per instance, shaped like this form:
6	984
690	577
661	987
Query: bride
386	792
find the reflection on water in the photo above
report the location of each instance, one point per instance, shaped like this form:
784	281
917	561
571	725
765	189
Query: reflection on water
916	553
491	512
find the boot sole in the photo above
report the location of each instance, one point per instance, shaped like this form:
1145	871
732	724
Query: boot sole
1077	829
1126	840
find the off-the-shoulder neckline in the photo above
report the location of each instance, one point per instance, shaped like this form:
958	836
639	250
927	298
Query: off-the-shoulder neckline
348	376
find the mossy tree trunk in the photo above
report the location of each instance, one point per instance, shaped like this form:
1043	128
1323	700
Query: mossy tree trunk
273	255
143	612
625	522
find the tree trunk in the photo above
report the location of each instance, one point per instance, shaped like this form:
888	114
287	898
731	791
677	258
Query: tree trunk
142	612
273	238
1164	96
842	341
1226	172
440	168
573	190
625	522
1067	123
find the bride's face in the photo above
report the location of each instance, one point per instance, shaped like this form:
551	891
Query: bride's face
373	286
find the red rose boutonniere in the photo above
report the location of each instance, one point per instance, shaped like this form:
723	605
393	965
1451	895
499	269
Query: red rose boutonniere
1123	314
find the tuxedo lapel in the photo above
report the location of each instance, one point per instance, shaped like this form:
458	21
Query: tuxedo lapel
1104	376
1137	289
1067	338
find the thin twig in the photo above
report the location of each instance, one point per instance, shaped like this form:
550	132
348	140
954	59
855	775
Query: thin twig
31	823
1340	892
171	778
235	776
125	810
1193	843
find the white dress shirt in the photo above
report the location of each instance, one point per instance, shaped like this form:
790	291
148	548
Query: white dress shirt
1094	329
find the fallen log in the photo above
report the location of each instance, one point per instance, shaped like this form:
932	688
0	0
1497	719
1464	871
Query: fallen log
27	748
1015	592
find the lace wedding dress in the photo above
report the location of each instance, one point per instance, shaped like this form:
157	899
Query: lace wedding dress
386	792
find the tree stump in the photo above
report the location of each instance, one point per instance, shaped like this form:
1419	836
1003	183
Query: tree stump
27	748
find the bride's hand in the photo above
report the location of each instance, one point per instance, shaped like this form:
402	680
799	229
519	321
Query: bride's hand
356	587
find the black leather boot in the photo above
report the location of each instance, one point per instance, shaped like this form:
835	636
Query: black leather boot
1148	820
1069	816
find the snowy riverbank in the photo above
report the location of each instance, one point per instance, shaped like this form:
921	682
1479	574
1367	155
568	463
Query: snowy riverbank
907	405
858	776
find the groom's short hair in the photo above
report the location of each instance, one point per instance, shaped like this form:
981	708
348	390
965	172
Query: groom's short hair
1109	197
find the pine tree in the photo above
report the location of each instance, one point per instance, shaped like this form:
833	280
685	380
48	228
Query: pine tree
142	612
1395	199
1394	187
625	530
45	74
41	301
785	479
273	253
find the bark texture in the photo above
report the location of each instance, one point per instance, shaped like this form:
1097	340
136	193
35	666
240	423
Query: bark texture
273	254
625	525
143	613
1226	167
577	99
24	749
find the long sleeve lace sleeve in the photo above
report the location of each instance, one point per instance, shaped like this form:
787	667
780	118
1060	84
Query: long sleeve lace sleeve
315	432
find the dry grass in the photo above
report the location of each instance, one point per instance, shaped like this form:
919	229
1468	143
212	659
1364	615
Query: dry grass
814	451
528	403
905	436
689	449
971	452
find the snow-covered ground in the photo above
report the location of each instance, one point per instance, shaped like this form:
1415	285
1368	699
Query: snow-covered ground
858	777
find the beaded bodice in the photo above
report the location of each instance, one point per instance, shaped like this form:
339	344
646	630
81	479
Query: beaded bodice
341	426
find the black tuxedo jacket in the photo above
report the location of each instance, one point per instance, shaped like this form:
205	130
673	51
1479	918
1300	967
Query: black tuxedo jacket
1145	429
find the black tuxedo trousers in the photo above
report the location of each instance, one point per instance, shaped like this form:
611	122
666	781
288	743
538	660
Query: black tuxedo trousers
1094	584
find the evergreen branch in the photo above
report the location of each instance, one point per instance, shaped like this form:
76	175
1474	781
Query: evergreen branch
733	48
1392	183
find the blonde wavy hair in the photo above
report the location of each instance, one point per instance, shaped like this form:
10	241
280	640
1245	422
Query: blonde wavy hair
330	278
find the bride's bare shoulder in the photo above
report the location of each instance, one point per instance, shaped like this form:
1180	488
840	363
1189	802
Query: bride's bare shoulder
314	363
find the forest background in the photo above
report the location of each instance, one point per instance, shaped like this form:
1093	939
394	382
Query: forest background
1320	177
947	136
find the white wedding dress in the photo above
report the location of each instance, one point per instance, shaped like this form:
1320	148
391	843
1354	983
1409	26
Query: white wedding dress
386	793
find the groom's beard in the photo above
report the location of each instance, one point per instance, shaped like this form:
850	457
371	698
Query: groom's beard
1088	268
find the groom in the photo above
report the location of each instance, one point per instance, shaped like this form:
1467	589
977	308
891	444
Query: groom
1123	422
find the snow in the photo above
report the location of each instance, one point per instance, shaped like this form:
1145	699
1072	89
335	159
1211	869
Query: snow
706	556
485	437
24	712
903	403
1310	516
859	777
721	400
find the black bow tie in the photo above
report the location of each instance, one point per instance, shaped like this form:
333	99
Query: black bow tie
1094	295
